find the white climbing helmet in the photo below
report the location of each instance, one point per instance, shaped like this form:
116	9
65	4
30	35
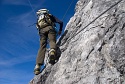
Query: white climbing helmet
42	11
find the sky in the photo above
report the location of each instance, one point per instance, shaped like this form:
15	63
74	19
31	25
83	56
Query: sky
19	43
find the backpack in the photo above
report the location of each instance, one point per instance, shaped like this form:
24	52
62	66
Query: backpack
45	20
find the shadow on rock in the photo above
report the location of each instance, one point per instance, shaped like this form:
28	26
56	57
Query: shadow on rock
64	34
58	54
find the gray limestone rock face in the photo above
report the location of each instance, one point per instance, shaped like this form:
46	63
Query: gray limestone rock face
92	48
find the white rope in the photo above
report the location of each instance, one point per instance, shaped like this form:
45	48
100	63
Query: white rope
94	19
67	10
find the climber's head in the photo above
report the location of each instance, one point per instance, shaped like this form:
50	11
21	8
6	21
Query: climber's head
42	11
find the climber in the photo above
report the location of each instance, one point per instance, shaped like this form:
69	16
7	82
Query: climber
46	26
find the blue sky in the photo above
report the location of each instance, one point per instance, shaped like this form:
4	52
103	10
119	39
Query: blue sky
19	43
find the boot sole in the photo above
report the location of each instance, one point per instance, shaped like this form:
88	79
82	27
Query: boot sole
52	59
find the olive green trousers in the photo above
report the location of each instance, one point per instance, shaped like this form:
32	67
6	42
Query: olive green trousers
47	33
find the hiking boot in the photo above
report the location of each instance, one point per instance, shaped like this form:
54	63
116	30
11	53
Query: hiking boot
52	54
37	69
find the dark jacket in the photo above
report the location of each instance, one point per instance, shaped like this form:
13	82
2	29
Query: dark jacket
56	20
